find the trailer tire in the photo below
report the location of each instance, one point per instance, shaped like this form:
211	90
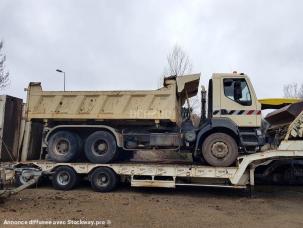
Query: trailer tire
64	178
64	146
220	149
20	179
100	147
103	179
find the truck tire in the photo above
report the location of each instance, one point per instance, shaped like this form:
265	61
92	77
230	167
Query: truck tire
220	149
100	147
64	178
64	146
103	179
198	160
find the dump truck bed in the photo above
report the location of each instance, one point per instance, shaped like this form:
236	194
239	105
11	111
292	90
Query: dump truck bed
162	104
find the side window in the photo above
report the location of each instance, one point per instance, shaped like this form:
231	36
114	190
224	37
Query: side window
237	90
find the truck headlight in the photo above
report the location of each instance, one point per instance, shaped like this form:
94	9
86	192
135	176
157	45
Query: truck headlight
258	132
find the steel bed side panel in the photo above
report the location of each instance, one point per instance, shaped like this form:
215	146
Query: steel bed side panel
146	169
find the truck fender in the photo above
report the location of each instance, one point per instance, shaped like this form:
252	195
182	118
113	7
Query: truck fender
216	125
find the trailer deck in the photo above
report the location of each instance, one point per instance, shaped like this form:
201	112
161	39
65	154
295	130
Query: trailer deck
172	175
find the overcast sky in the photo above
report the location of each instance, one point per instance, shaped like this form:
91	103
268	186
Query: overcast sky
105	45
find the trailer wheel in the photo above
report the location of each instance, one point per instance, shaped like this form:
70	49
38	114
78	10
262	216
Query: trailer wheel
100	147
21	179
103	179
220	149
64	178
64	146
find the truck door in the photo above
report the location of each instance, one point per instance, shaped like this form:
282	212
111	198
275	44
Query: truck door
238	102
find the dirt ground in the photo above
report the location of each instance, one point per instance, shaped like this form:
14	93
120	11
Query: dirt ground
144	207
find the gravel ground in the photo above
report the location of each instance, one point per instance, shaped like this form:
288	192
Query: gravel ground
149	207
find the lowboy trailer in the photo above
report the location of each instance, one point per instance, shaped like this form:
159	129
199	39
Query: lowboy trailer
105	177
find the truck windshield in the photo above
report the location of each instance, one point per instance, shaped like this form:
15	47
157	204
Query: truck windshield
237	90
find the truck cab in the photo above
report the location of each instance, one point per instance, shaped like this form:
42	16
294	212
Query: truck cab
236	100
233	124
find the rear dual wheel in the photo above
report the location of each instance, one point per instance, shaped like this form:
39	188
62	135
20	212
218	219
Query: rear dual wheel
64	146
101	147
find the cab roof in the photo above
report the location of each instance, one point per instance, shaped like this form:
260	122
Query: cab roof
220	75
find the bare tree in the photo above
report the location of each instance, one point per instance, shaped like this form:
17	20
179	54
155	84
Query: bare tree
178	62
293	90
4	74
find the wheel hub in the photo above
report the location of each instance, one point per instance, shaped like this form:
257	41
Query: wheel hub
102	180
62	146
100	147
63	178
219	150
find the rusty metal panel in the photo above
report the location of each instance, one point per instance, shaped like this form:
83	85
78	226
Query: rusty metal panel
161	104
285	115
10	122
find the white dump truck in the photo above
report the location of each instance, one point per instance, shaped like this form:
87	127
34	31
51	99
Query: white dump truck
95	126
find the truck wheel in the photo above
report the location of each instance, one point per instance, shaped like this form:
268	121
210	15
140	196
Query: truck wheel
220	149
103	179
64	146
64	178
100	147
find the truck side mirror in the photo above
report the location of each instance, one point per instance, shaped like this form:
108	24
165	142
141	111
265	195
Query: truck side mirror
237	90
